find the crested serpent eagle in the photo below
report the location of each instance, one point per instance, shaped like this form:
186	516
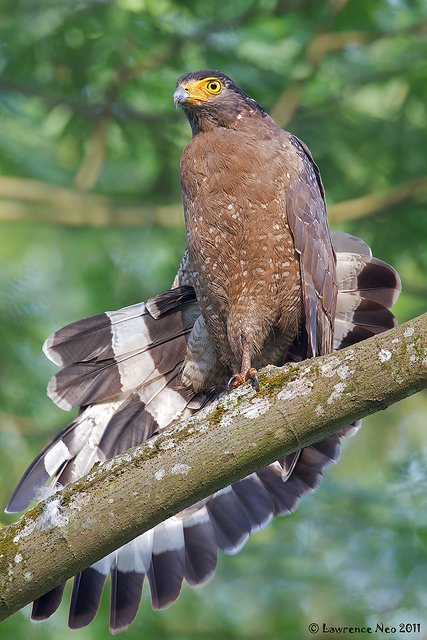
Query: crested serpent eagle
263	281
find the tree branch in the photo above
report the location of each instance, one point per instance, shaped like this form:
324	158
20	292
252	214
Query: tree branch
126	495
94	155
27	200
317	49
378	201
323	43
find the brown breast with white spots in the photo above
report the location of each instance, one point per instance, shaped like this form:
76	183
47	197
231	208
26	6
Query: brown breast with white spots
241	252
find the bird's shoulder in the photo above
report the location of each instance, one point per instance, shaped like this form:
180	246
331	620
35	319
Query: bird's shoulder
256	144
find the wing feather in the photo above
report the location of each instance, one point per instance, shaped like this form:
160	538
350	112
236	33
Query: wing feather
306	213
186	546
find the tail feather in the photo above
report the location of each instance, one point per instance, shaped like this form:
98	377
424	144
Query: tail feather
255	500
230	522
82	340
129	426
201	549
167	566
129	363
86	597
346	243
367	288
119	351
371	278
45	606
126	592
364	313
45	466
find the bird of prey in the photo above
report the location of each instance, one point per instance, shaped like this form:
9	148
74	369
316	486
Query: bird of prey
263	281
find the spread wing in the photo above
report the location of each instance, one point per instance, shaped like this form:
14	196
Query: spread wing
306	212
131	388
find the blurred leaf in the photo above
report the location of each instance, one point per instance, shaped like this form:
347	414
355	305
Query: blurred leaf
356	551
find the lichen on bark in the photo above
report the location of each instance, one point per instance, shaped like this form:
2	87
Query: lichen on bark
119	499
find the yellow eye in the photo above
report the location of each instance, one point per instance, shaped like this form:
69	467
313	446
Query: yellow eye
214	86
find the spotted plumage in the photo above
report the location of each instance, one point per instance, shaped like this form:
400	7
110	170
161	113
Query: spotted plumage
263	281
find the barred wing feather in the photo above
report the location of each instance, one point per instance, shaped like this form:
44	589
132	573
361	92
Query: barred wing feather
125	366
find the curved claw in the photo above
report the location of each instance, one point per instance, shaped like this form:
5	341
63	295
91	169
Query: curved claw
252	375
238	379
235	381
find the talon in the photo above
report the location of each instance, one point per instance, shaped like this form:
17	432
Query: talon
235	381
252	375
238	379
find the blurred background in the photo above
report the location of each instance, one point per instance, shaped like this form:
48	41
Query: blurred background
91	220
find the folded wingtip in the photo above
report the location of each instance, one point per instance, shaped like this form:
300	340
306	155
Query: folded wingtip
59	400
49	351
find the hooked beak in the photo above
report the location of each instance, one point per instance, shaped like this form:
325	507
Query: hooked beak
180	96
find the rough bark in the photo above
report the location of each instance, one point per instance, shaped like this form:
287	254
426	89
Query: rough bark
119	499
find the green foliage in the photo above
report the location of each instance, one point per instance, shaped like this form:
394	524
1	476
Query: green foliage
85	103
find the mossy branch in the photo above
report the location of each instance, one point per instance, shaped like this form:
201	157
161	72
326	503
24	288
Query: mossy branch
126	495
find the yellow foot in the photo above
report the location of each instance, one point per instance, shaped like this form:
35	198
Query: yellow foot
240	378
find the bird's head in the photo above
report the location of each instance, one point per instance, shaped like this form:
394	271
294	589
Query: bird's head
211	99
